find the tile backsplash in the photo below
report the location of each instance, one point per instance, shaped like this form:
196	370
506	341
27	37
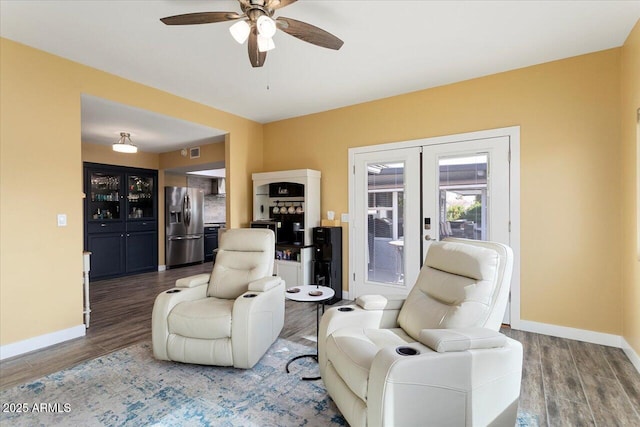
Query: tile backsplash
215	209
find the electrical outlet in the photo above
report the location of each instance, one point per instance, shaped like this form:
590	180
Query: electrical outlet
344	217
62	220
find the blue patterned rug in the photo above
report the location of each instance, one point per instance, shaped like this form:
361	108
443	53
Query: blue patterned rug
129	387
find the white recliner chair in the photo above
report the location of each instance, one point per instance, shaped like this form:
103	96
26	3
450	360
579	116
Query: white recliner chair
434	358
229	317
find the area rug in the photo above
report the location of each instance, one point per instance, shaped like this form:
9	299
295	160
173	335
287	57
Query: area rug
130	388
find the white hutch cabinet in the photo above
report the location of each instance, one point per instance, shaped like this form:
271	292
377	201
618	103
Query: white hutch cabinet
290	202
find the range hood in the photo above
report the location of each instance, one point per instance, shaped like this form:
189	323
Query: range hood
218	187
212	181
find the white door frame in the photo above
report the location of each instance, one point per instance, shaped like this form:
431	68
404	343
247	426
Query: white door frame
513	133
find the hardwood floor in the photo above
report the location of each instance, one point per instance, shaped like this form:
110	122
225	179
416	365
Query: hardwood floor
120	316
572	383
565	382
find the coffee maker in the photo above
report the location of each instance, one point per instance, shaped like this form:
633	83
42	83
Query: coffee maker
327	259
298	233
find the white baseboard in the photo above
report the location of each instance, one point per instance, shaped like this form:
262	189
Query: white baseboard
36	343
570	333
345	295
583	335
162	267
631	354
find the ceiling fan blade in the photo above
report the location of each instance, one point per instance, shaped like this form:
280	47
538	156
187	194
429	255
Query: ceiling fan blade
200	18
256	57
309	33
279	4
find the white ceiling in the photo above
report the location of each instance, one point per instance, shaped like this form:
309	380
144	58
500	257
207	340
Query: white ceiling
390	47
103	120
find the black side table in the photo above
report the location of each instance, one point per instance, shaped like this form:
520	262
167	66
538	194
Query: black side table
318	295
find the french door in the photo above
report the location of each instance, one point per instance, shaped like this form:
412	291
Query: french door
387	211
406	197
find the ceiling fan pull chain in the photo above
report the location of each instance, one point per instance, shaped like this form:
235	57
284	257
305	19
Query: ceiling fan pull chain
268	77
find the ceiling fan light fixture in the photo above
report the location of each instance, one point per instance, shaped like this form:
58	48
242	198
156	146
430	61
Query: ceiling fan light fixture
122	146
266	26
257	26
240	31
265	44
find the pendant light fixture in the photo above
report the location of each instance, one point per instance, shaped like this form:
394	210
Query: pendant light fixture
122	146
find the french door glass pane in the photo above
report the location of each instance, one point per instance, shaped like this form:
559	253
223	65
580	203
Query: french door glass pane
463	206
385	222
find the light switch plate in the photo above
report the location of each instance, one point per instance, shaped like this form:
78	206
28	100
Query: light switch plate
62	220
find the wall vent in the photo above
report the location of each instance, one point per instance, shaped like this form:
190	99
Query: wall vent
194	152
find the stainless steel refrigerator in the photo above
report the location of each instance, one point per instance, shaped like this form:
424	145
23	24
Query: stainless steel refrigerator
184	226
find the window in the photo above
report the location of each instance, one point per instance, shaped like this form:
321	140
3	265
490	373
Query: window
385	221
463	197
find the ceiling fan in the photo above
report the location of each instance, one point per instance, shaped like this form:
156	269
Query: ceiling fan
258	25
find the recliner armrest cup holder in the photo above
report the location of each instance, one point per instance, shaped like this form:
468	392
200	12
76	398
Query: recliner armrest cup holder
406	351
173	291
249	295
345	309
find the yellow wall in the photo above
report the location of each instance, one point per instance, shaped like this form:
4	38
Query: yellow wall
173	180
568	111
249	157
41	175
96	153
629	206
209	153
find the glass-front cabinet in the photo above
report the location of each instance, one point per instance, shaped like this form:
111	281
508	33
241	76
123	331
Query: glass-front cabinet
140	196
121	227
105	195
